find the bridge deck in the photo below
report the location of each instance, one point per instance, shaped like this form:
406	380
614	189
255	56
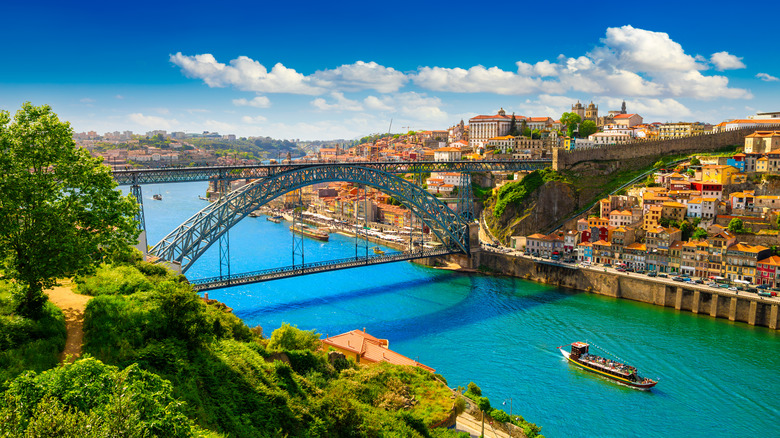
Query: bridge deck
313	268
188	174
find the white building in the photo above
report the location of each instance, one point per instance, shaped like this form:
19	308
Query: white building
447	154
483	128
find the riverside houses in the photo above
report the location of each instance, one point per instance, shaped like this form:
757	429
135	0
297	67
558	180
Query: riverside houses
742	261
769	271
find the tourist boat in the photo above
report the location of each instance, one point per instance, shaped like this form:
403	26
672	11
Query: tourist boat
203	198
611	369
274	219
308	231
157	197
254	214
378	250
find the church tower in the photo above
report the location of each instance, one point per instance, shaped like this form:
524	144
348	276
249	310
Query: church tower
623	108
592	112
579	110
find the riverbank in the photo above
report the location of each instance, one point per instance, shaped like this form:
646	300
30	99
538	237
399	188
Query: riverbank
699	299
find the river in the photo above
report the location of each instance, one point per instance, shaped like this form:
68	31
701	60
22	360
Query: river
717	378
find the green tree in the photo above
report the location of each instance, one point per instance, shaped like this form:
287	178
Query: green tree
570	121
60	212
736	226
536	134
289	338
483	403
687	230
523	127
587	128
700	234
664	222
695	161
513	127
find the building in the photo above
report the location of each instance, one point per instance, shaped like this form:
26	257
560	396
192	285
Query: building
722	175
769	271
447	154
742	261
483	128
609	138
627	120
361	347
673	211
682	129
761	142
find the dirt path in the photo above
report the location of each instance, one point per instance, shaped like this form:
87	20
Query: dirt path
72	306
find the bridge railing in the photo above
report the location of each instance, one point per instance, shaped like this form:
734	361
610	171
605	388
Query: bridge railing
314	267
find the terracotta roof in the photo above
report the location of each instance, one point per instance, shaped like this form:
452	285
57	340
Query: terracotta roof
370	348
623	116
772	260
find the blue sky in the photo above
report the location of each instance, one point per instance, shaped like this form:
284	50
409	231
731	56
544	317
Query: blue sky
325	70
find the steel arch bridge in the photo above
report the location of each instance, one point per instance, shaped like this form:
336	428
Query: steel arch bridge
191	239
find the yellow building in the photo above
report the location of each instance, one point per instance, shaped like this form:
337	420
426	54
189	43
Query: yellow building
652	216
762	164
719	174
762	142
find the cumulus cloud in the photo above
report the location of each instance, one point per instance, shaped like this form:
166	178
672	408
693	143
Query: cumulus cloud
152	122
257	102
361	76
341	103
376	104
245	74
767	77
726	61
651	108
253	120
477	79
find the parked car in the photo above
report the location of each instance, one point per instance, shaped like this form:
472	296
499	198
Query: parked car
607	265
712	284
621	269
678	279
662	275
732	288
724	286
652	274
698	281
762	286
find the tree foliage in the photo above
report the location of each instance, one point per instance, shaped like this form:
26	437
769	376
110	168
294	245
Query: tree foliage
60	210
513	131
288	338
570	122
700	234
587	128
736	225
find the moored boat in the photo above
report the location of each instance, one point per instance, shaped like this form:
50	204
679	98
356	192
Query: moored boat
619	372
378	250
274	219
308	231
157	197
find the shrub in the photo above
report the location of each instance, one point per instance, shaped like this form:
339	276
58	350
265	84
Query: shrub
289	338
474	389
112	280
500	416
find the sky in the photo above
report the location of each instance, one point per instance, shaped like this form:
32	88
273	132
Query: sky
341	70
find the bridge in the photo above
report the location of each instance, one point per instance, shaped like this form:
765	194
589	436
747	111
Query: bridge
184	245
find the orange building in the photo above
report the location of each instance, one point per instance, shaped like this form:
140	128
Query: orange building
364	348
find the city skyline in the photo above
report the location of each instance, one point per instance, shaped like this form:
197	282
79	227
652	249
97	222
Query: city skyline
329	72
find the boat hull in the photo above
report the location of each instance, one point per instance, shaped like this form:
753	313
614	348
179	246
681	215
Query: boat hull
303	232
642	386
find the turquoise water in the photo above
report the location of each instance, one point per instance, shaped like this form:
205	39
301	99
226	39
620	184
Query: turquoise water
717	378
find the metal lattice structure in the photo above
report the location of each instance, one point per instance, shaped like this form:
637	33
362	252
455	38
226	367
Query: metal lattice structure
135	190
465	198
228	173
191	239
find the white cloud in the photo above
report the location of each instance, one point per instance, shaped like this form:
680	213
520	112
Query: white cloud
119	96
767	77
651	109
361	76
163	111
477	79
257	102
726	61
87	100
376	104
197	110
152	122
218	126
341	104
253	120
645	51
244	74
420	107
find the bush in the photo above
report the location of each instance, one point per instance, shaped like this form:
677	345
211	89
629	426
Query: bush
500	416
89	398
472	388
289	338
113	280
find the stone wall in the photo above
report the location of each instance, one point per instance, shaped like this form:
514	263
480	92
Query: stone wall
744	307
647	151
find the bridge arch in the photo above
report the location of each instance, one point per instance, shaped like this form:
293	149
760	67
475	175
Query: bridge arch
191	239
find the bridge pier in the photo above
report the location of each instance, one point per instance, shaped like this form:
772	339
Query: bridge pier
773	317
678	300
752	312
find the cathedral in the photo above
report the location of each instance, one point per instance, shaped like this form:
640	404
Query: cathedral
591	112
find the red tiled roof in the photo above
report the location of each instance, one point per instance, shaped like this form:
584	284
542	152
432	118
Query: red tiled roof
370	348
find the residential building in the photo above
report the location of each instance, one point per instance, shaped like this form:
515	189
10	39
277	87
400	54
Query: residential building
773	162
652	216
634	256
709	190
682	129
627	120
483	128
762	142
447	154
769	271
675	257
720	174
364	348
585	252
673	211
742	261
688	259
620	218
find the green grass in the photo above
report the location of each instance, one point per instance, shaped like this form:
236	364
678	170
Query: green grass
27	344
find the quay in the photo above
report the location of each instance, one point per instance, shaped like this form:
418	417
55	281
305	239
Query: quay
741	306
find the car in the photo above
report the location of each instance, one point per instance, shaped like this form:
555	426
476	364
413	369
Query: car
678	278
629	269
724	286
621	269
764	293
607	265
687	279
652	274
732	288
762	286
712	284
662	275
698	281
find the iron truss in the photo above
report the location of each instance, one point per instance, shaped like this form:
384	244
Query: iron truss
311	268
188	174
192	238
